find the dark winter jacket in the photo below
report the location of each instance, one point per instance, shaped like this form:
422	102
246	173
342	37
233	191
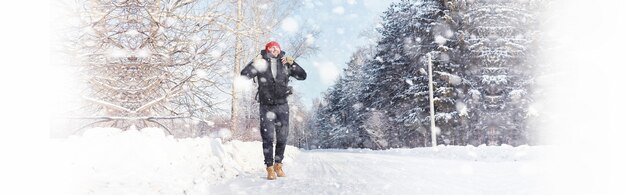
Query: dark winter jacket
274	91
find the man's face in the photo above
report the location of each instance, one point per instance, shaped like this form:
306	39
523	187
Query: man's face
274	51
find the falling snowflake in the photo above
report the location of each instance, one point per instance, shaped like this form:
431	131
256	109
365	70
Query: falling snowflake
461	108
409	81
440	40
270	115
339	10
290	24
224	133
260	65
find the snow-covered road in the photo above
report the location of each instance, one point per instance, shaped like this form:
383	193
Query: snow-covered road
385	172
111	161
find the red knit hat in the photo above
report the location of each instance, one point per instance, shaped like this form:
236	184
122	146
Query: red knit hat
271	44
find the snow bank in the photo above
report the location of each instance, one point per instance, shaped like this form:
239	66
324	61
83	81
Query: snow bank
147	161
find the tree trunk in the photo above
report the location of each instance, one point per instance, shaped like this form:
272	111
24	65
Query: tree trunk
238	53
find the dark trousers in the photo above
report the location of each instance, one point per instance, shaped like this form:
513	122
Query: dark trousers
274	119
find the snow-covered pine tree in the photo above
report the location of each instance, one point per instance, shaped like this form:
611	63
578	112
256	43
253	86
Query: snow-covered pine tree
355	111
384	83
345	112
442	43
482	75
450	65
398	80
321	125
339	134
418	40
392	83
313	124
499	34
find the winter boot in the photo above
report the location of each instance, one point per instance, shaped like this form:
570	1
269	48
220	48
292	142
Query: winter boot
278	168
271	175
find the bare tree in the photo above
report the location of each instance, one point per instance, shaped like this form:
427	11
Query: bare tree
301	44
146	62
299	134
167	63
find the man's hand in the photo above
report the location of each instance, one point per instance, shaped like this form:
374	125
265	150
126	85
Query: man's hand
287	60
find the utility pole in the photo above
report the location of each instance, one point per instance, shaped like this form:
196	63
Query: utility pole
432	101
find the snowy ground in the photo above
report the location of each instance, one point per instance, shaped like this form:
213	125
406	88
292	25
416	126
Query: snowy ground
110	161
447	170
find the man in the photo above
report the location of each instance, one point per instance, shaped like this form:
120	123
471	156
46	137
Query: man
272	70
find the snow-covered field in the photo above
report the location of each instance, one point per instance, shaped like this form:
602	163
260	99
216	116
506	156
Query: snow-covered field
111	161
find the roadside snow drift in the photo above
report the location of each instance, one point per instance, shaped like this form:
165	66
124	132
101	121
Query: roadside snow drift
111	161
